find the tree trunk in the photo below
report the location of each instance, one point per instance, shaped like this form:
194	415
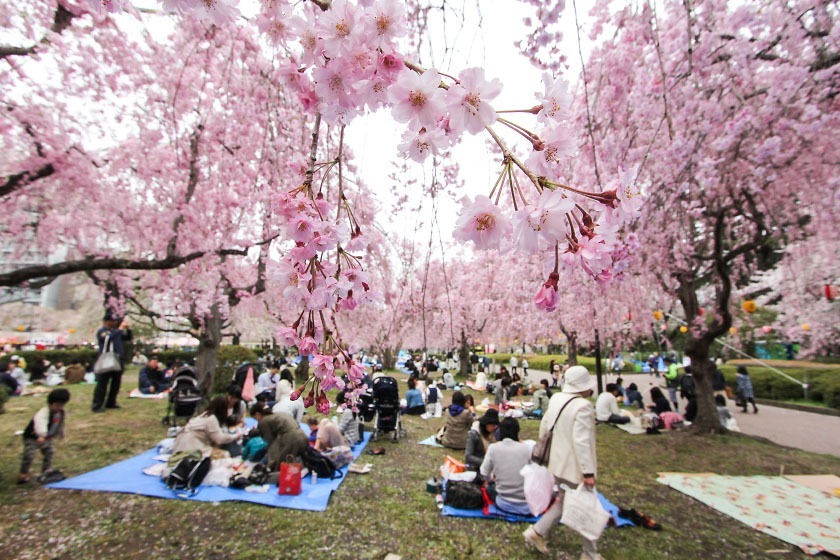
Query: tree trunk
389	360
573	353
464	355
302	370
208	347
697	348
703	369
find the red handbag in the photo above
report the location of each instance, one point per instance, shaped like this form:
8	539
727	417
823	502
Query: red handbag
289	480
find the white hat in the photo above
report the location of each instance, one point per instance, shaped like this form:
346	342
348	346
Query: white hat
577	380
15	358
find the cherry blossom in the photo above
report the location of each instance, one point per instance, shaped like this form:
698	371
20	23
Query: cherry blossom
468	99
482	222
417	99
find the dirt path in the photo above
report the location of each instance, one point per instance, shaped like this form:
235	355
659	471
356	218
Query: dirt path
792	428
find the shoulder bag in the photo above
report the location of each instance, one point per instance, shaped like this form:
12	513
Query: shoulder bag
542	449
108	361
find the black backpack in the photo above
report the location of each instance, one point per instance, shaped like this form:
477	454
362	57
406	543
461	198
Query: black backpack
463	495
188	474
318	463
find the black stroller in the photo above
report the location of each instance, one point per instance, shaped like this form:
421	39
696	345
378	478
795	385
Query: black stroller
184	397
386	405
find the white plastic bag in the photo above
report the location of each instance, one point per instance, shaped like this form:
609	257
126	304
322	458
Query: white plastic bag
539	487
583	512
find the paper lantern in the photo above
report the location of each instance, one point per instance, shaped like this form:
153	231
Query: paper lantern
733	330
830	292
21	328
700	311
658	315
683	329
806	327
766	329
749	306
664	327
629	316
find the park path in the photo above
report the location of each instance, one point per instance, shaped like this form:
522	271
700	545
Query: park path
808	431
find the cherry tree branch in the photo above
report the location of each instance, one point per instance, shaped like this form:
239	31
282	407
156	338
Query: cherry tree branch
61	21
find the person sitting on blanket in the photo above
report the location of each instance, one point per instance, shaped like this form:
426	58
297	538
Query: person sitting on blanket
540	399
414	400
480	381
501	466
285	404
266	383
348	420
151	379
329	436
205	431
634	396
723	412
479	438
449	380
312	422
606	407
660	403
469	404
457	423
282	434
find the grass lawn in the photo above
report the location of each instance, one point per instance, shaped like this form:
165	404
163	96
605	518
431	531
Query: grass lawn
371	515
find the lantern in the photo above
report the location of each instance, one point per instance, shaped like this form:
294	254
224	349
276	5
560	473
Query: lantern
683	329
830	292
658	315
629	316
21	328
766	329
806	327
749	306
733	330
664	327
700	311
71	331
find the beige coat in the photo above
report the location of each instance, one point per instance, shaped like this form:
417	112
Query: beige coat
202	433
573	445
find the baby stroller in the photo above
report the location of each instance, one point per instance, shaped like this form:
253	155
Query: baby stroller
184	396
386	406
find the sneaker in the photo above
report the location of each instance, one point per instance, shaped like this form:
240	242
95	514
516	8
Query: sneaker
532	538
98	410
113	406
23	478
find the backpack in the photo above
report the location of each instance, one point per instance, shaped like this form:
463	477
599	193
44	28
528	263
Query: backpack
318	463
433	395
463	495
188	474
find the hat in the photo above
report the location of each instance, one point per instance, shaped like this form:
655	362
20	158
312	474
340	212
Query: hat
577	380
489	417
15	358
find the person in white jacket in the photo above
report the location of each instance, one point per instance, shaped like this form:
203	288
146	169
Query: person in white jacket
572	460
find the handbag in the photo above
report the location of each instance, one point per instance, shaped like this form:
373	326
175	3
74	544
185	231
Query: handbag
542	450
289	481
108	361
583	512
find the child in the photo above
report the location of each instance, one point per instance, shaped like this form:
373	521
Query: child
312	422
47	424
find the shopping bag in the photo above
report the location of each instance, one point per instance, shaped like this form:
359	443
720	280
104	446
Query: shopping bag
583	512
451	465
539	487
290	478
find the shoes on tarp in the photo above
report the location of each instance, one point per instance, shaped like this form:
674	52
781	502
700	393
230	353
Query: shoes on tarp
639	519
